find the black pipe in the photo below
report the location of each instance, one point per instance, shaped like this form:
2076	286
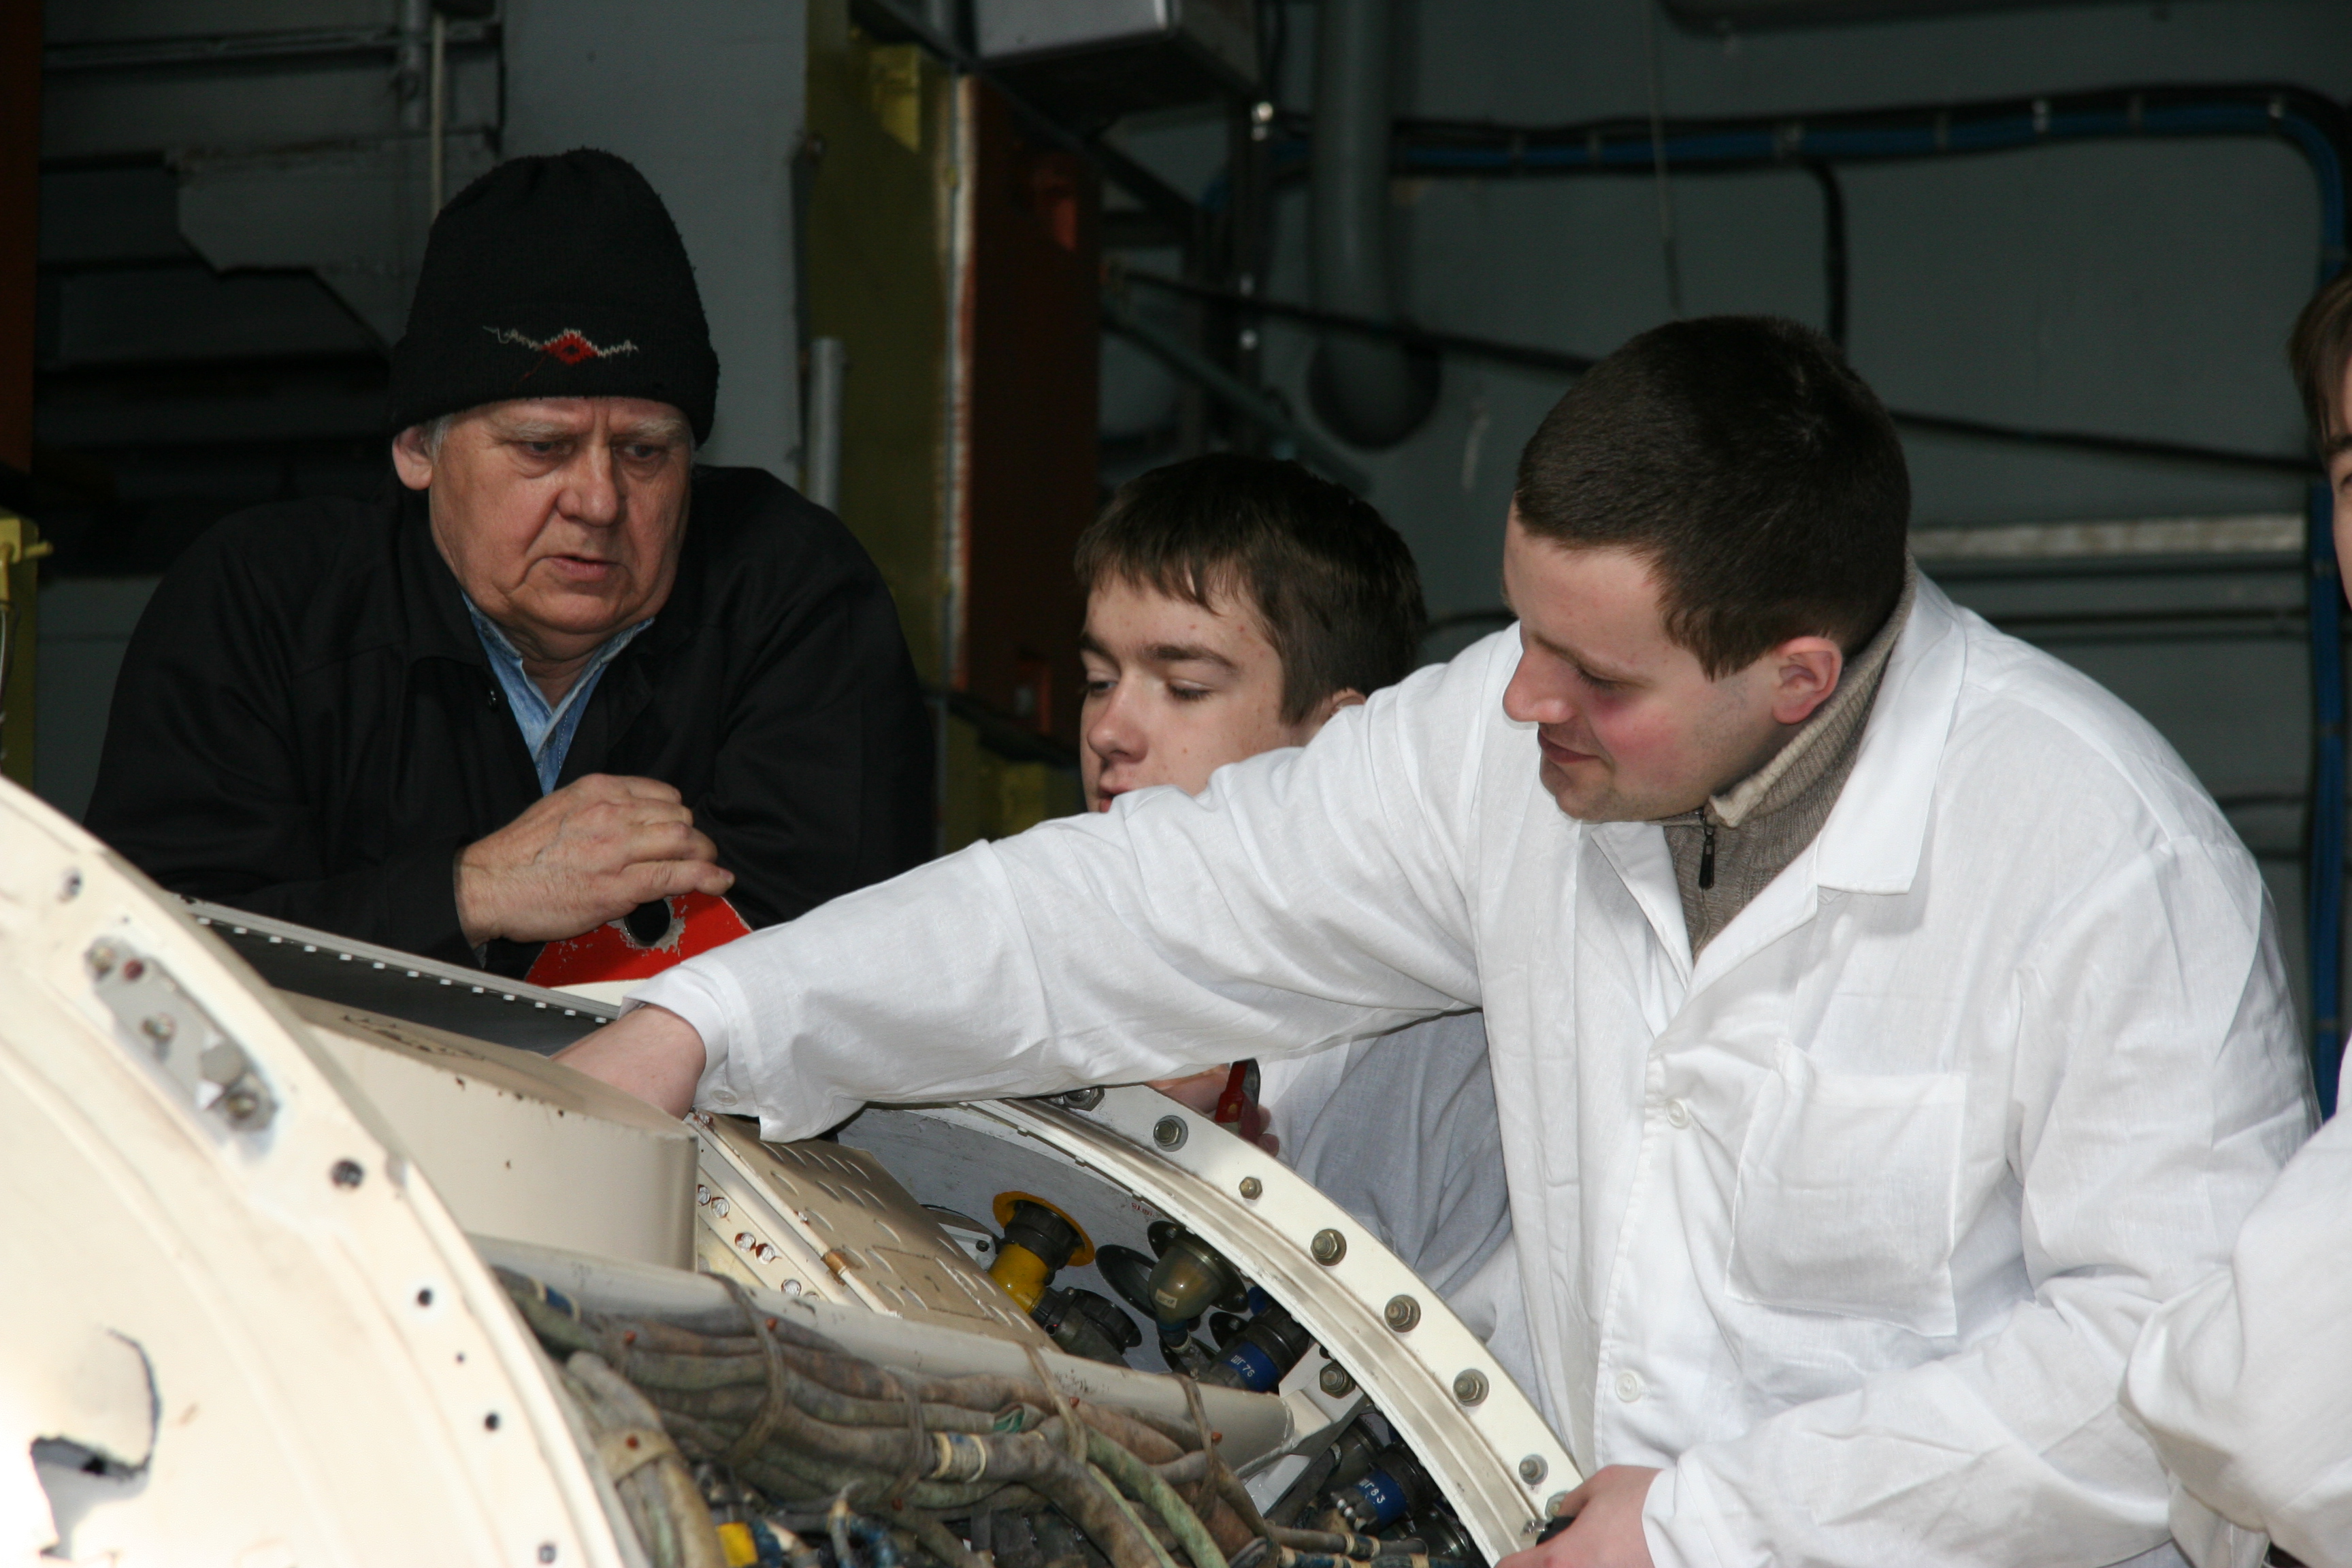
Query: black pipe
1833	250
1561	363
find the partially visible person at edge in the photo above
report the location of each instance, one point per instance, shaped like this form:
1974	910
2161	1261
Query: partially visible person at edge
2245	1381
1234	604
558	671
1883	1019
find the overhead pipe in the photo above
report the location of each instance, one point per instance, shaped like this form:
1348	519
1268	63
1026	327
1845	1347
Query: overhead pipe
1368	392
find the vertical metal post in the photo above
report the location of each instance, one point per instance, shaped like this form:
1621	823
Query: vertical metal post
439	121
2325	921
821	461
412	64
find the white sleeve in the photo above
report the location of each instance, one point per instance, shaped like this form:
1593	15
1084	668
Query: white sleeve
1307	897
2158	1087
2244	1381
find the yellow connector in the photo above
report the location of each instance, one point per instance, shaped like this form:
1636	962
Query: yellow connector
1034	1247
735	1541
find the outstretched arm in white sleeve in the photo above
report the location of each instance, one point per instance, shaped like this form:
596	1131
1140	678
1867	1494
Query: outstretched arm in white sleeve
1307	897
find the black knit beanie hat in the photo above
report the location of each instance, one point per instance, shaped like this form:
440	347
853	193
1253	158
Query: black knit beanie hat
554	277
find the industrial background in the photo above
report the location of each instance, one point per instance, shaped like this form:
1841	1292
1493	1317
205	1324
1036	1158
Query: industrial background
968	263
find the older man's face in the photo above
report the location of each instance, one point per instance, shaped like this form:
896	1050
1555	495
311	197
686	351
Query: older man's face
561	517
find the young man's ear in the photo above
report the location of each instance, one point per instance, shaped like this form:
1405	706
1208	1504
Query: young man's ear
1345	697
1804	674
410	459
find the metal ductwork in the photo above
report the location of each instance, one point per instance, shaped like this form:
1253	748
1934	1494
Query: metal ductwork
1370	394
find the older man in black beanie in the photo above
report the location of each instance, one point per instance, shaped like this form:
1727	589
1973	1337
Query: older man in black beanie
555	674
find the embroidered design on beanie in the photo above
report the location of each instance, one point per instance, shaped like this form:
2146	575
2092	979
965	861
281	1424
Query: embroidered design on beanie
571	345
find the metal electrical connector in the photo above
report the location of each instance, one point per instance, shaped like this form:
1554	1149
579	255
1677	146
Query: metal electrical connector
1039	1241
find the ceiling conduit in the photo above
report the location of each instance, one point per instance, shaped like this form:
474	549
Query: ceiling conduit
1369	393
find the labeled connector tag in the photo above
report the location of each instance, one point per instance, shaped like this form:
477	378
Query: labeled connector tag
160	1024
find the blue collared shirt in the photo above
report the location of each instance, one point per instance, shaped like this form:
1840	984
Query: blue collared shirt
546	731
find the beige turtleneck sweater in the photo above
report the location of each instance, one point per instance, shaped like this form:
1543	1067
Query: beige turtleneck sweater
1761	823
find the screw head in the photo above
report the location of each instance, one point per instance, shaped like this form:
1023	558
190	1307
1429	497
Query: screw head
1334	1380
547	1552
1252	1187
1532	1470
1554	1503
1469	1386
1402	1313
1079	1099
1169	1133
159	1027
1329	1246
101	958
347	1173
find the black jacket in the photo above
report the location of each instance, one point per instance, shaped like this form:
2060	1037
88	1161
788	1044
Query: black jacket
306	725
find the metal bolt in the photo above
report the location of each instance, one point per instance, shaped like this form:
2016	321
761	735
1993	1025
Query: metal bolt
1401	1313
1329	1246
1532	1470
101	958
718	1206
1469	1386
1169	1133
347	1173
70	889
702	1194
1080	1100
1334	1380
1252	1187
159	1027
547	1552
1554	1503
240	1104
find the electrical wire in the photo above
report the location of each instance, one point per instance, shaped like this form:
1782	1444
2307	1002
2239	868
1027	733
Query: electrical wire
1564	362
810	1427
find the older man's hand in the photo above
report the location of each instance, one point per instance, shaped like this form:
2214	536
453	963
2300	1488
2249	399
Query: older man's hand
586	854
1606	1531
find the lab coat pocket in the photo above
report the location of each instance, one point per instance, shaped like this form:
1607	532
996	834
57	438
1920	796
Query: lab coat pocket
1847	1194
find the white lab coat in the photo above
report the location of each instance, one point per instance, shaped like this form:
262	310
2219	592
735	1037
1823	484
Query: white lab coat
1849	1226
2245	1381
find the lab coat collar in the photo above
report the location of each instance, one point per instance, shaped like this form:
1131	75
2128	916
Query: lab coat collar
1871	842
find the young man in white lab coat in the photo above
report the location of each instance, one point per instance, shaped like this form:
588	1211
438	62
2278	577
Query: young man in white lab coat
2245	1381
1881	1018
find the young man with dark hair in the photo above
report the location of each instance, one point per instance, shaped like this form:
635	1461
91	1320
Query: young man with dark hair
1883	1020
1234	604
2244	1381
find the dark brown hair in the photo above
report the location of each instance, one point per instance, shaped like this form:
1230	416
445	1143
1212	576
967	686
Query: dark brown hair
1333	585
2320	345
1757	474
